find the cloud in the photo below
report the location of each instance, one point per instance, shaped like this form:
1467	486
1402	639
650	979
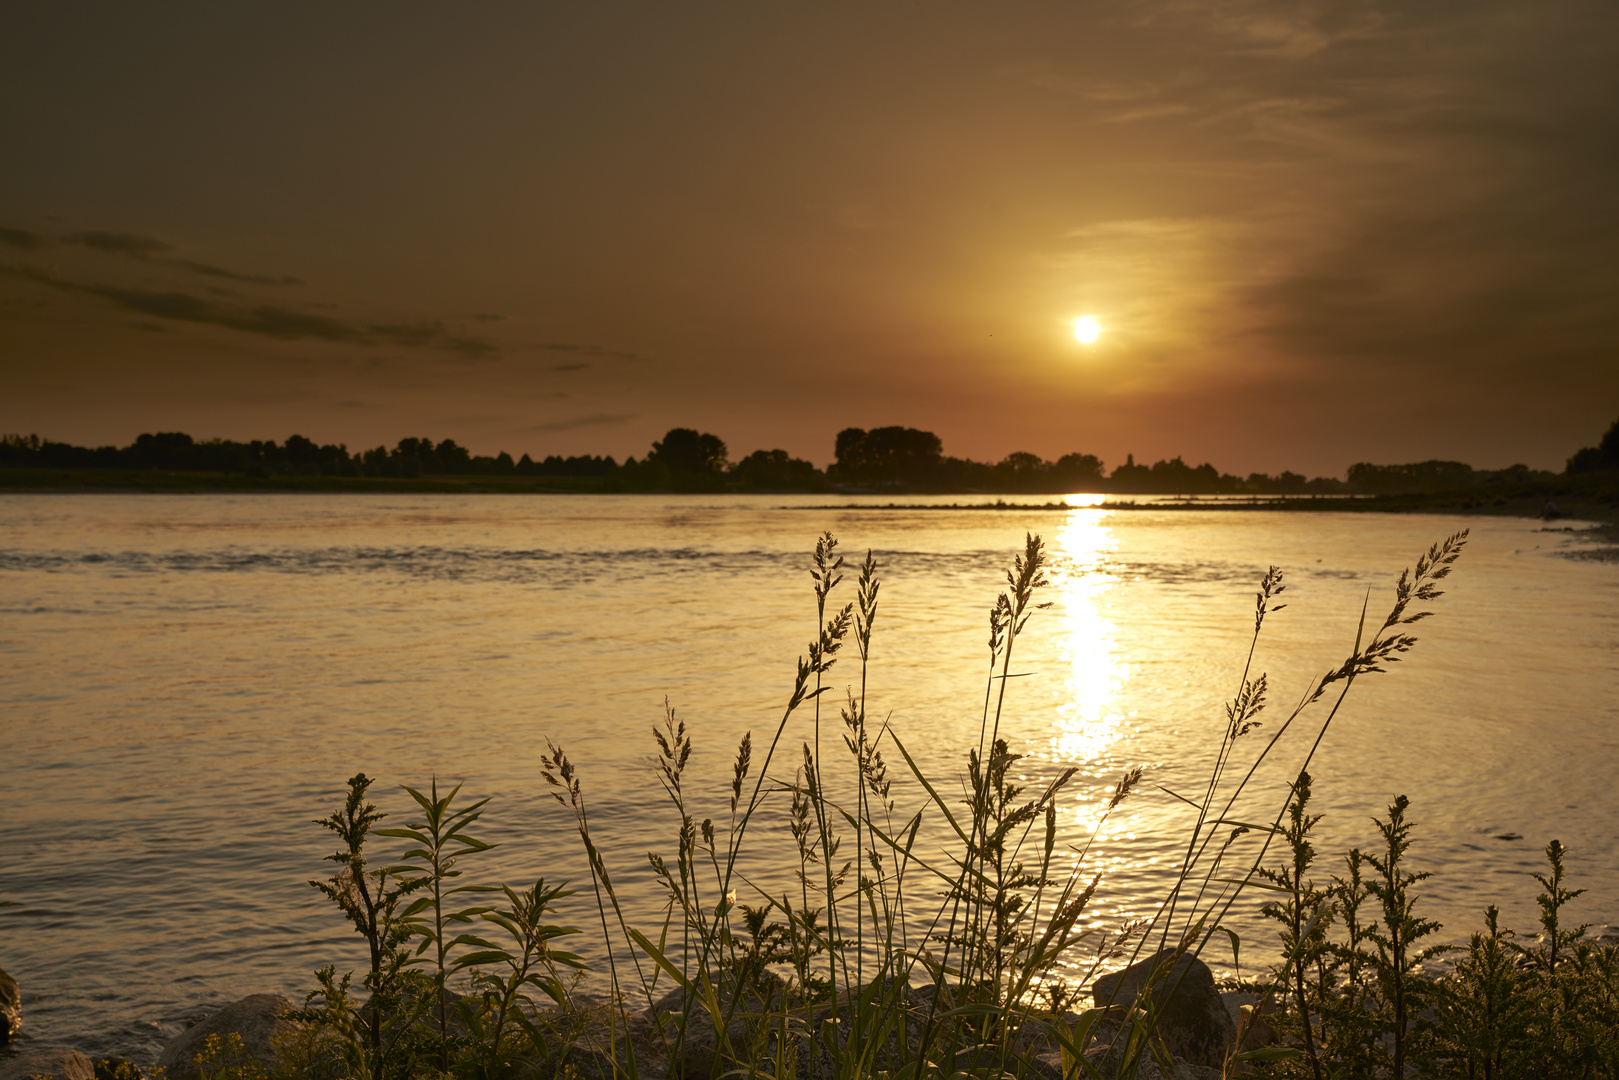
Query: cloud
119	243
433	333
21	238
591	350
137	246
568	367
593	420
231	275
264	320
1420	195
487	316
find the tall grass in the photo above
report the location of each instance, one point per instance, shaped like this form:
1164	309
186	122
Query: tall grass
881	954
903	961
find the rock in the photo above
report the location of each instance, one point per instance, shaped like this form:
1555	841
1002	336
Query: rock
10	1008
255	1019
58	1064
1192	1020
750	1031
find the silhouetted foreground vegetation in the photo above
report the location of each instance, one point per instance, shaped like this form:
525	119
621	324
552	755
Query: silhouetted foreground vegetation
885	460
876	955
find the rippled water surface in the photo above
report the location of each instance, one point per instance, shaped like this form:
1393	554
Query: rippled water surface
189	680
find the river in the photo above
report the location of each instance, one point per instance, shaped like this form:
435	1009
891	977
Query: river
190	679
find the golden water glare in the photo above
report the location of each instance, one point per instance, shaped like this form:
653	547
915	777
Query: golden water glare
1091	726
1094	673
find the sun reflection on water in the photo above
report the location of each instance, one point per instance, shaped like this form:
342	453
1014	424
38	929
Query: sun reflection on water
1088	720
1091	725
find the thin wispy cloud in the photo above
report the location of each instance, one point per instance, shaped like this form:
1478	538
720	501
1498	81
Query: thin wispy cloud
231	275
148	249
591	350
265	320
21	238
120	243
593	420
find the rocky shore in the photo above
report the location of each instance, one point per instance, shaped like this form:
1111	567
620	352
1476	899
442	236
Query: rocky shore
1200	1028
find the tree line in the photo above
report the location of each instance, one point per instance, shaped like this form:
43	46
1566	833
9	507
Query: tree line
881	459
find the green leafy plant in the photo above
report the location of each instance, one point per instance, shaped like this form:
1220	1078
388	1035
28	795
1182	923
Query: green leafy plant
1305	978
224	1057
371	900
1400	955
1483	1017
441	841
1376	1009
529	963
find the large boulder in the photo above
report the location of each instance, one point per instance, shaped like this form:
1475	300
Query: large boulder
256	1020
10	1008
58	1064
1192	1020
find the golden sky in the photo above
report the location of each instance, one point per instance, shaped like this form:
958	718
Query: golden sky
1311	233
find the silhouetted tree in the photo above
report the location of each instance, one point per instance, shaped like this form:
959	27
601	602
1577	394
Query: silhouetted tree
773	469
1415	477
450	458
1130	476
582	465
888	456
1173	476
1073	472
164	450
1022	471
1604	455
684	451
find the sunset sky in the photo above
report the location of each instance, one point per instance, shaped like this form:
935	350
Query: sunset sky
1310	233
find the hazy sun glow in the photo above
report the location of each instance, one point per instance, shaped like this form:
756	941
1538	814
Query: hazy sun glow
1087	329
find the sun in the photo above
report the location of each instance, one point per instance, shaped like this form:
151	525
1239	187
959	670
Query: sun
1087	329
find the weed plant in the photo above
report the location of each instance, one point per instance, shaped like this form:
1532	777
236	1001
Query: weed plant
1358	997
886	958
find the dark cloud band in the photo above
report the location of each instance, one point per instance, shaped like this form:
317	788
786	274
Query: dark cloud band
265	320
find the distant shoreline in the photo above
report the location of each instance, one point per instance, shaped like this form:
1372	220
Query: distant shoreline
1586	498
